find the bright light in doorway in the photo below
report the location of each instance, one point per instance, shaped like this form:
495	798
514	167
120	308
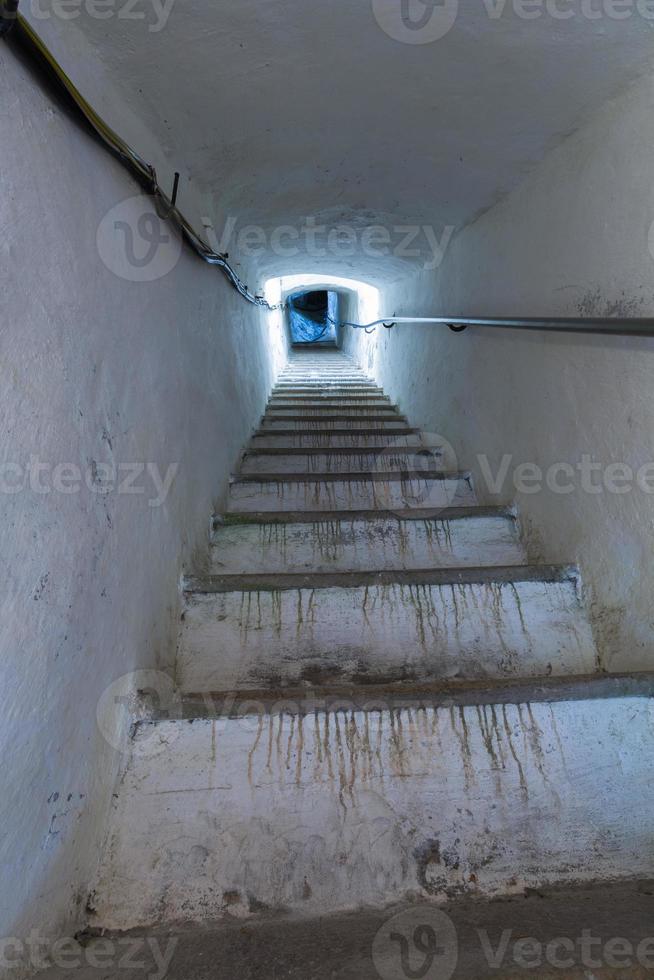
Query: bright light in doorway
275	290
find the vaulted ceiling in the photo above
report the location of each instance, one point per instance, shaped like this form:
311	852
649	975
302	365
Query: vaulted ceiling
275	111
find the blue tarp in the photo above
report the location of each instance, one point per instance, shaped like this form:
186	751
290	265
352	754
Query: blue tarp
310	322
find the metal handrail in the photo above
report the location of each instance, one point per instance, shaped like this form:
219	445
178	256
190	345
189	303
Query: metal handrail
616	326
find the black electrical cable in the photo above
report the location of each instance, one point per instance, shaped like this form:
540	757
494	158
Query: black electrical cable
14	28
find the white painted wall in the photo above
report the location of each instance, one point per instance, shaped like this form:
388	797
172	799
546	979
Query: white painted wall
95	370
571	240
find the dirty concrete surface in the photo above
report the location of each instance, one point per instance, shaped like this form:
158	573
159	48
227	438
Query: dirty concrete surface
593	933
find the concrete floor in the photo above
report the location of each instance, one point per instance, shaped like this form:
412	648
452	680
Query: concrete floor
367	946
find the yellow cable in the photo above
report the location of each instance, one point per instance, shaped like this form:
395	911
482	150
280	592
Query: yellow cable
144	170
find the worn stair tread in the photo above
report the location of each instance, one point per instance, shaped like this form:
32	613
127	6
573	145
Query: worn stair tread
321	398
326	380
375	542
306	699
279	400
356	476
358	491
360	809
323	383
344	405
381	459
325	516
341	945
337	408
249	631
323	423
332	439
320	375
392	415
335	431
281	582
315	391
387	450
404	459
323	394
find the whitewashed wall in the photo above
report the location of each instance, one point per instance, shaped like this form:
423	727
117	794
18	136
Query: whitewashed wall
572	240
95	370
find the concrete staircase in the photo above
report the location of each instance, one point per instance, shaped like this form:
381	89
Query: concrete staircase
377	700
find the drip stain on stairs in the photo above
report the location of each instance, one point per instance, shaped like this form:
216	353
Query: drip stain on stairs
378	700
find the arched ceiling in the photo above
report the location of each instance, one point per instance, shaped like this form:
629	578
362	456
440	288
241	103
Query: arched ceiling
279	111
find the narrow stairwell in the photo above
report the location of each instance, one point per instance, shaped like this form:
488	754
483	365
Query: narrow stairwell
378	699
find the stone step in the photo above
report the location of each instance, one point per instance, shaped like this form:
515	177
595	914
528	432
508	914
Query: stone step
331	388
329	394
375	543
307	461
320	516
323	365
346	412
323	393
327	401
352	945
360	439
342	423
318	374
332	696
320	378
318	371
281	812
243	632
318	391
322	382
350	491
327	384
